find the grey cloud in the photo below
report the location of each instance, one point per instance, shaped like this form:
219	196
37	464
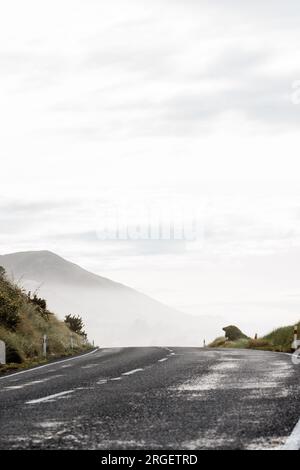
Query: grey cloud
128	247
145	62
263	104
260	97
149	248
284	13
238	61
34	69
89	236
31	217
16	208
271	8
159	247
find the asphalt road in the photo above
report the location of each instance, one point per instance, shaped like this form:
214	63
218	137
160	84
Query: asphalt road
154	398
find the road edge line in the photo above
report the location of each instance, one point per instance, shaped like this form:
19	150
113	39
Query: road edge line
49	364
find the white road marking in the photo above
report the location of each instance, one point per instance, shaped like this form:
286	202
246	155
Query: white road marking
48	365
13	387
33	382
163	360
134	371
89	366
293	442
116	378
102	381
49	397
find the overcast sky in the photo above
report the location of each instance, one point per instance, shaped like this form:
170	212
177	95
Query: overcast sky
188	110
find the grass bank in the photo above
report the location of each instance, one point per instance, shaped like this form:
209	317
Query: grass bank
24	320
279	340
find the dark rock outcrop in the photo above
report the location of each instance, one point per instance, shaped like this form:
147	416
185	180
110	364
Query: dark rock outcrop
233	333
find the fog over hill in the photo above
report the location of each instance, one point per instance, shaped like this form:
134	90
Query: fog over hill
114	314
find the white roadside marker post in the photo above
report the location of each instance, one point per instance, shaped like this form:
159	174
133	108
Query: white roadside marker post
2	352
45	346
296	342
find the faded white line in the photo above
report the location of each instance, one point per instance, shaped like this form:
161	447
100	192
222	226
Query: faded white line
116	378
102	382
293	442
134	371
13	387
163	360
33	382
49	397
89	366
48	365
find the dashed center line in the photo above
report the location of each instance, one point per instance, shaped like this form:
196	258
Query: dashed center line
28	384
49	397
134	371
102	381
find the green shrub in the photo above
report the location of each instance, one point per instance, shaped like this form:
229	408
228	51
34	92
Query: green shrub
9	313
75	323
2	272
13	355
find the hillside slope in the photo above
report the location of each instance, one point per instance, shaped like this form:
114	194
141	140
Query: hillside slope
24	321
115	315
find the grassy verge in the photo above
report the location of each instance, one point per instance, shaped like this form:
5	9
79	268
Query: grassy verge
279	340
23	323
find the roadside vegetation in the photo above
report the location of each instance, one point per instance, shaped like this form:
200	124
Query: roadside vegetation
279	340
25	319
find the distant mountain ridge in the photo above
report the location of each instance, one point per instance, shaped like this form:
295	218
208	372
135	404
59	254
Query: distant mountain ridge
47	266
114	314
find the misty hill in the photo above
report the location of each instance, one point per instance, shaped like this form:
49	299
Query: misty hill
114	314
